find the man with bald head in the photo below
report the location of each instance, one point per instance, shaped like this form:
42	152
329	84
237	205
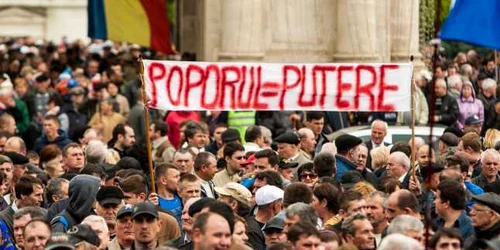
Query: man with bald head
419	142
402	202
425	156
307	142
15	144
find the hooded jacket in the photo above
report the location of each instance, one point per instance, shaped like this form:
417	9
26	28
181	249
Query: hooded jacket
61	141
469	106
82	192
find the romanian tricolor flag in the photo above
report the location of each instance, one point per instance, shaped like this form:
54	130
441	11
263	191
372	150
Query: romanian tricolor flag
144	22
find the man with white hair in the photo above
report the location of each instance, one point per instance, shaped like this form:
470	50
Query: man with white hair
400	242
487	94
307	142
398	166
490	162
446	106
98	224
379	131
95	152
407	225
455	85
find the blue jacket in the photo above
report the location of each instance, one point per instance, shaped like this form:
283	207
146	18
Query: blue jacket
61	141
343	165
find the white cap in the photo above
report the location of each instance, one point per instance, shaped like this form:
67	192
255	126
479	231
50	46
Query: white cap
268	194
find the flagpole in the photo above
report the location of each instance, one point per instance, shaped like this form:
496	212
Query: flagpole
146	123
496	66
412	92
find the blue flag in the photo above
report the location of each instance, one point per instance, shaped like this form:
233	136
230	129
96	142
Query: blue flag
475	22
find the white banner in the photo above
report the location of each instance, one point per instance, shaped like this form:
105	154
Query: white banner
174	85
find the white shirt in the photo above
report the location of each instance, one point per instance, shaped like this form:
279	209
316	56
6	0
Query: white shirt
402	178
251	147
206	186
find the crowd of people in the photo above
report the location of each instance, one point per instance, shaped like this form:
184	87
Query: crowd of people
74	169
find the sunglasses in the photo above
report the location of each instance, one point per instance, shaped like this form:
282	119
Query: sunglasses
311	176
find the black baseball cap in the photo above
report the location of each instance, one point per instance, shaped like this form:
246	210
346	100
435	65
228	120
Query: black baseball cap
145	208
109	195
276	223
125	210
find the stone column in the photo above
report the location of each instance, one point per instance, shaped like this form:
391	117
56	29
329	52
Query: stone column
241	29
404	32
362	31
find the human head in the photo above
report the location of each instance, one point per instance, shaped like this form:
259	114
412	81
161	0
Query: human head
56	189
304	236
485	212
490	162
376	211
359	231
8	124
307	140
106	104
324	164
351	202
298	212
450	196
361	157
426	156
400	242
347	146
446	239
167	177
397	164
379	131
95	152
134	190
189	187
269	199
50	126
489	87
211	231
240	231
123	137
266	159
297	192
21	218
196	134
15	144
187	220
288	145
109	200
407	225
205	165
29	191
184	159
379	155
73	158
325	199
234	155
254	134
470	143
36	234
440	87
146	222
51	160
315	120
307	175
237	196
267	177
99	226
158	129
401	202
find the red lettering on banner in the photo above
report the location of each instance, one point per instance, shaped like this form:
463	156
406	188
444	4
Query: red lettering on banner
152	69
226	83
210	106
241	103
189	84
342	86
366	89
257	104
285	86
311	102
181	84
383	87
323	70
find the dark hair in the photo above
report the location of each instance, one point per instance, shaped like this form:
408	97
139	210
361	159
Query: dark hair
272	157
162	169
302	228
407	199
328	192
52	118
161	126
297	192
223	210
348	196
305	167
389	184
34	212
56	99
133	184
329	236
119	129
453	192
281	246
94	170
253	133
201	221
202	159
68	146
314	115
192	128
324	164
49	153
271	177
232	147
401	146
447	232
25	184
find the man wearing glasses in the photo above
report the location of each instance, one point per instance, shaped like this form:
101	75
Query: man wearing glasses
485	215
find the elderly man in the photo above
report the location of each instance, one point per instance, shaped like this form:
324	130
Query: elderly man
347	147
398	165
379	131
288	148
490	161
485	215
446	106
446	141
409	226
124	231
359	231
307	142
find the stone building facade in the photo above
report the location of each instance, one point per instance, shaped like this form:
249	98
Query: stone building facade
252	30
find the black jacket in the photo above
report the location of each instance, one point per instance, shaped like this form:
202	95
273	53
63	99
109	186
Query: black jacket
472	242
448	111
